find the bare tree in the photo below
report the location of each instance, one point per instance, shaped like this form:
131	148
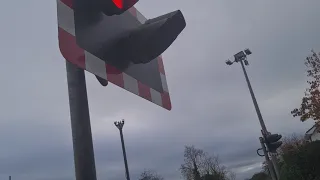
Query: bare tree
150	175
200	165
193	160
213	167
232	175
210	164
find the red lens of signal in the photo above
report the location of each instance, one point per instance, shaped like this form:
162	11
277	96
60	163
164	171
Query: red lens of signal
118	3
124	4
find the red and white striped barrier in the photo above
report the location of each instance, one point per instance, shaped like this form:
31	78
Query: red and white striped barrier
87	61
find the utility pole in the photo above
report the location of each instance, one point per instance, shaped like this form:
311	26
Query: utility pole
80	124
9	177
242	58
120	125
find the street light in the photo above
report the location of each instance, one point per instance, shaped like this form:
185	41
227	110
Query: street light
242	58
119	125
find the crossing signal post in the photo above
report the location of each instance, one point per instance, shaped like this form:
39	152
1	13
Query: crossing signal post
110	39
272	139
272	143
271	169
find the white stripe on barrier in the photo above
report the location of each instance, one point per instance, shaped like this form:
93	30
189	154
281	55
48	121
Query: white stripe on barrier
140	17
95	65
65	18
130	84
164	82
156	97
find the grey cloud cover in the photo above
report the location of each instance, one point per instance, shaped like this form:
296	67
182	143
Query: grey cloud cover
212	108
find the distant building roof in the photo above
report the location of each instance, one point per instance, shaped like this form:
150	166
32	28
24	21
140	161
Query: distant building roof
314	129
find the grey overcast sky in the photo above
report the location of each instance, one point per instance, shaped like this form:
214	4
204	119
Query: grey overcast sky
212	108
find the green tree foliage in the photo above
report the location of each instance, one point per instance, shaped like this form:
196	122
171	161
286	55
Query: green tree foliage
310	104
302	163
291	143
198	165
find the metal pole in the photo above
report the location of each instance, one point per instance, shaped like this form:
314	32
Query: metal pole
255	103
263	126
119	125
270	167
124	155
80	124
9	177
275	165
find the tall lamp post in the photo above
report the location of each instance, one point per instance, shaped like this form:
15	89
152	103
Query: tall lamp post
119	125
242	58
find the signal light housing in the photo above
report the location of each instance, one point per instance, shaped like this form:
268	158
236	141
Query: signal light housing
273	143
150	39
127	42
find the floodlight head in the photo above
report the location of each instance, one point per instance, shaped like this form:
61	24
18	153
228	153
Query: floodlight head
228	62
246	62
239	56
247	51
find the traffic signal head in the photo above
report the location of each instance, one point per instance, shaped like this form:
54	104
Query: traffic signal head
124	42
114	41
151	39
121	40
272	142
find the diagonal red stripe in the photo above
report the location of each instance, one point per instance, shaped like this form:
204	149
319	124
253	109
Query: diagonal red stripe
160	65
70	50
144	91
133	11
166	103
67	2
115	76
